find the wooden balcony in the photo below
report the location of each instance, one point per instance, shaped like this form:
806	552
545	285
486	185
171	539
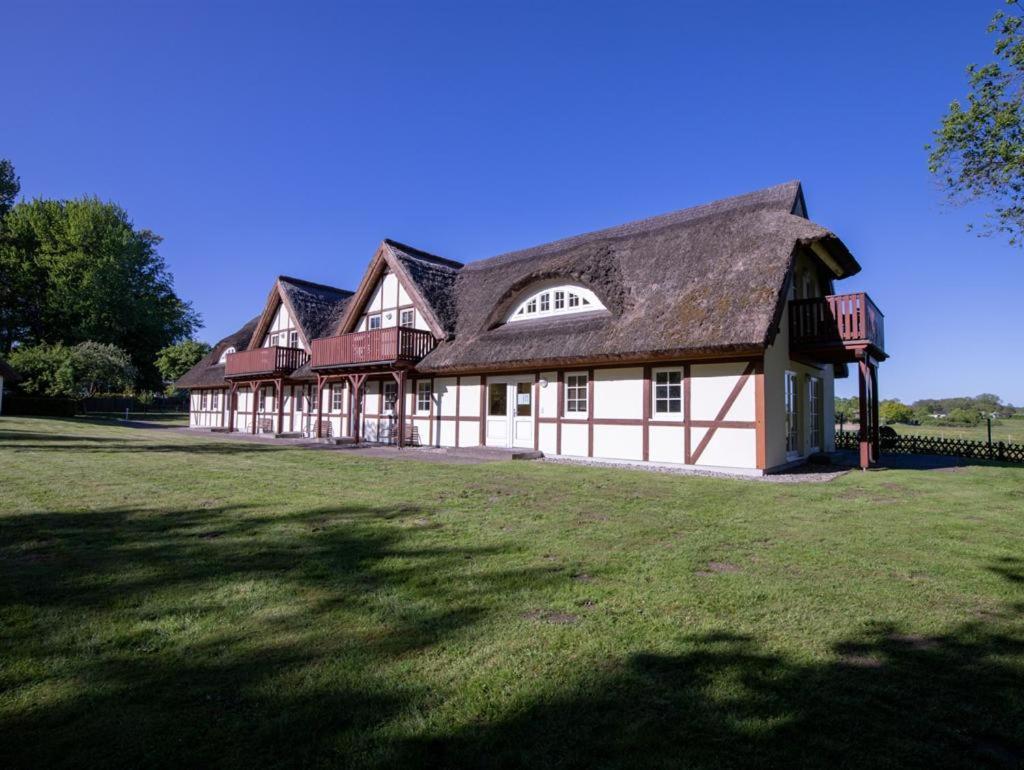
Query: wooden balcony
274	361
836	327
394	345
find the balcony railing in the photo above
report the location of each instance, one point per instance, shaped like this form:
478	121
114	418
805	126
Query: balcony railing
845	321
274	360
380	346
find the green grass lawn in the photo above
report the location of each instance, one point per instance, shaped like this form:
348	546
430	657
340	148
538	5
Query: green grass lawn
170	600
164	418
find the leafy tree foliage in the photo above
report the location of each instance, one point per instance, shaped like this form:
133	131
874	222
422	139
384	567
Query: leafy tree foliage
174	360
848	407
893	410
78	270
73	372
978	150
10	186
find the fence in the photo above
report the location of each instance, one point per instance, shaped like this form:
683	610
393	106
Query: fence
16	405
898	444
120	403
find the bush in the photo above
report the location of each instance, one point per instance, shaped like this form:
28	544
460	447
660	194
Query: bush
59	371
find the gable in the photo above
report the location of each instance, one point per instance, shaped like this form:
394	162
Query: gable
390	304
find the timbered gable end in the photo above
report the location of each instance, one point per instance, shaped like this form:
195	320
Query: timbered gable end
278	325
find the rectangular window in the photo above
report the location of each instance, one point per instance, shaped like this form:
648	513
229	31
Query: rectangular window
576	394
545	302
407	318
336	397
574	300
497	399
423	396
559	300
792	423
215	400
524	399
531	306
293	339
273	341
263	399
668	392
312	399
814	411
373	322
202	401
390	396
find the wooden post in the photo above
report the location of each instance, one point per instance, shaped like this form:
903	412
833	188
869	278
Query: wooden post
400	401
863	378
319	406
255	387
279	397
876	453
355	382
232	406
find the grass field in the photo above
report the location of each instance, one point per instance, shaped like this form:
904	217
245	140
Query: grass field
1010	431
169	600
168	418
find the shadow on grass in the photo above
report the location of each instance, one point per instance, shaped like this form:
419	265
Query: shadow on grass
31	441
312	608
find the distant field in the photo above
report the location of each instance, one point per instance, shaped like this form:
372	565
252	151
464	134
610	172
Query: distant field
1010	431
177	418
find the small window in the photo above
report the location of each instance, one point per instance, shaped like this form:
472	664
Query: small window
274	339
423	396
336	397
555	300
224	356
390	396
202	401
668	392
312	399
407	318
576	394
215	400
263	399
559	300
497	399
574	300
545	303
524	399
293	339
373	322
531	306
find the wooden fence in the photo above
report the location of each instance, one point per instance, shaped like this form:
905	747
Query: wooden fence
899	444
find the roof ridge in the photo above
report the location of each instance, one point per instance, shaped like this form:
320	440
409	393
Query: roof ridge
667	219
412	251
304	282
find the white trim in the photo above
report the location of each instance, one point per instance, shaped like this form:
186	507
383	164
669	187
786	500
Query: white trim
554	299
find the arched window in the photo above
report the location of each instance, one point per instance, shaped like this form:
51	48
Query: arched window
556	299
224	356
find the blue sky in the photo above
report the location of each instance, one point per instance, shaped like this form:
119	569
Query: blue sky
291	138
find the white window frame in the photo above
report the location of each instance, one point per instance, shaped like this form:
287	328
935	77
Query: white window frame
202	401
370	319
574	404
386	390
424	394
411	324
262	399
336	399
293	339
668	398
555	300
274	339
214	401
791	412
227	352
814	414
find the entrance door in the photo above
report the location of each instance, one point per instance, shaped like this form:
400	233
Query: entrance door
510	412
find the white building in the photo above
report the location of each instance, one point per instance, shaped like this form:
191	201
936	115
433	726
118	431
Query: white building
709	337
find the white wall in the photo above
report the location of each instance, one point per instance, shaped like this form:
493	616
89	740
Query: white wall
388	298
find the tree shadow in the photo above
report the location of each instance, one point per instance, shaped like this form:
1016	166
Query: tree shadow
120	588
886	698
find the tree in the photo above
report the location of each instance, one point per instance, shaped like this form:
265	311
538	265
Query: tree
81	371
893	410
962	416
10	186
978	150
78	270
174	360
848	407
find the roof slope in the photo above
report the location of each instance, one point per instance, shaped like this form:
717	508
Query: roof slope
8	374
208	373
434	278
708	279
317	307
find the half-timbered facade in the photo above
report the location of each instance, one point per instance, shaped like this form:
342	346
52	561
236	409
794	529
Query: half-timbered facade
709	337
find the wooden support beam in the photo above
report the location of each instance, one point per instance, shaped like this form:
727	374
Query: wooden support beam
232	405
863	385
319	406
399	376
279	397
876	453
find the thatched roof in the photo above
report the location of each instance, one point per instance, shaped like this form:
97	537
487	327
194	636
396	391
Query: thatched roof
208	373
704	280
316	306
8	374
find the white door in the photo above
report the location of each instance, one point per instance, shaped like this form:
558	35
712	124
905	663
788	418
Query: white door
510	412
